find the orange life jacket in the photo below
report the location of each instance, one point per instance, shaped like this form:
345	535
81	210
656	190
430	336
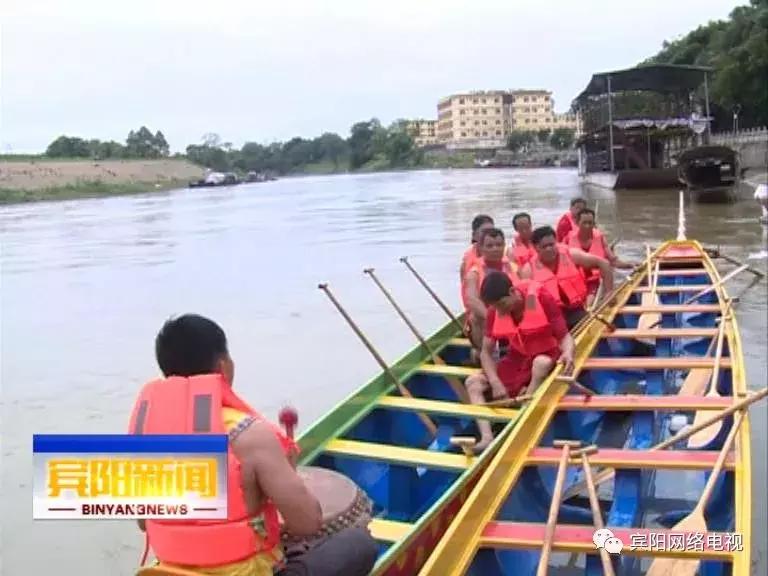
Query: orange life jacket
520	252
564	226
568	278
470	258
596	247
482	268
533	335
179	405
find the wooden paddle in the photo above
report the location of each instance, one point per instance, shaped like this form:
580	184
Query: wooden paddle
608	473
695	521
554	508
594	504
706	435
649	319
695	383
504	402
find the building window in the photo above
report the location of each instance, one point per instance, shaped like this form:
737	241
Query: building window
498	121
463	134
535	121
461	112
461	100
498	132
483	101
525	99
477	122
462	122
474	100
527	121
482	110
485	122
475	112
485	133
498	110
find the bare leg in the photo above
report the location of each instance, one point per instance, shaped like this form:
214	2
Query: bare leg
476	387
477	327
542	366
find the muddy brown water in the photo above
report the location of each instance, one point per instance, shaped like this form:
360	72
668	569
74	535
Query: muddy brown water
86	285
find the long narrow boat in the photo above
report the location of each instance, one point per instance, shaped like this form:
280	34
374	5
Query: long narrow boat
640	376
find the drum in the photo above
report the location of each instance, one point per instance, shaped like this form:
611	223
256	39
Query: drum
342	502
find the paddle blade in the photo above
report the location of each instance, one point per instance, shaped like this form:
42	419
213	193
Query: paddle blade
696	383
706	435
648	319
677	566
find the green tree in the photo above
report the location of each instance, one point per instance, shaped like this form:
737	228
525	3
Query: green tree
543	135
562	138
68	147
520	140
332	147
362	145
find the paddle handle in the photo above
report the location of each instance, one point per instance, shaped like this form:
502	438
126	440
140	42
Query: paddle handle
594	504
710	486
719	349
554	507
716	285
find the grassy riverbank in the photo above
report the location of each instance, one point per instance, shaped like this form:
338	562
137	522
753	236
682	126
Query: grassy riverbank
38	179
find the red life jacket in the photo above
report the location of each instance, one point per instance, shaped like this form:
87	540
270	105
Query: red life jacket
596	247
520	252
533	335
179	405
565	225
568	278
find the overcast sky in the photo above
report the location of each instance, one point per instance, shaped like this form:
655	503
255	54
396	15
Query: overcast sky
257	70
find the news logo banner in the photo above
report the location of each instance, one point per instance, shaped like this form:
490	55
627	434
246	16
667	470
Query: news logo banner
129	476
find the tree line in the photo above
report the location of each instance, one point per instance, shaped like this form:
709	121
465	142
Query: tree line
737	50
140	143
559	139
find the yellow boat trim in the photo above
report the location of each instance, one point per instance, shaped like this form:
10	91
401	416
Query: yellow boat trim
447	408
399	455
446	370
388	530
454	553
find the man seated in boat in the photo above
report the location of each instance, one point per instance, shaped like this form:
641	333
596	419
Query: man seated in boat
492	248
568	221
263	484
521	250
588	238
480	223
526	316
556	268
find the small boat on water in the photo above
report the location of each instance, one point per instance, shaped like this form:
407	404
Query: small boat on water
675	502
710	173
213	179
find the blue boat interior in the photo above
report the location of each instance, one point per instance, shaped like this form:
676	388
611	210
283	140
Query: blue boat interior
637	498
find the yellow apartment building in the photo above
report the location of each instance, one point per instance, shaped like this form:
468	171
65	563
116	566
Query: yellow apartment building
484	119
423	132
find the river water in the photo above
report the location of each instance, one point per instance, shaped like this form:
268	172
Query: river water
86	285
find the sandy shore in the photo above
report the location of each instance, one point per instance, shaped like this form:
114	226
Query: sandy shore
36	175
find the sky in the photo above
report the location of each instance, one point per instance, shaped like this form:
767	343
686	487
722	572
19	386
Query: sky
260	71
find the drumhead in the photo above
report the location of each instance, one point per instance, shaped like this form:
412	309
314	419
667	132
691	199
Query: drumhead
335	492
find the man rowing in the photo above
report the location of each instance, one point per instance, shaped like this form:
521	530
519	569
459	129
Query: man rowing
492	248
525	316
521	250
472	254
196	397
588	238
568	221
556	268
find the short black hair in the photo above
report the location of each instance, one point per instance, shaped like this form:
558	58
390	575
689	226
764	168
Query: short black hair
189	345
585	211
492	232
496	286
542	232
479	220
578	200
518	216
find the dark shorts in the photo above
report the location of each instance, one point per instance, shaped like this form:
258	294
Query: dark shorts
351	552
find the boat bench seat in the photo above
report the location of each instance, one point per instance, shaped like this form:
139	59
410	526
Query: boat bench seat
670	309
638	402
399	455
661	333
389	530
644	363
578	539
638	459
447	408
447	370
674	289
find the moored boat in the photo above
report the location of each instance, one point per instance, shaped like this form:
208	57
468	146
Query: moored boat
710	173
680	501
